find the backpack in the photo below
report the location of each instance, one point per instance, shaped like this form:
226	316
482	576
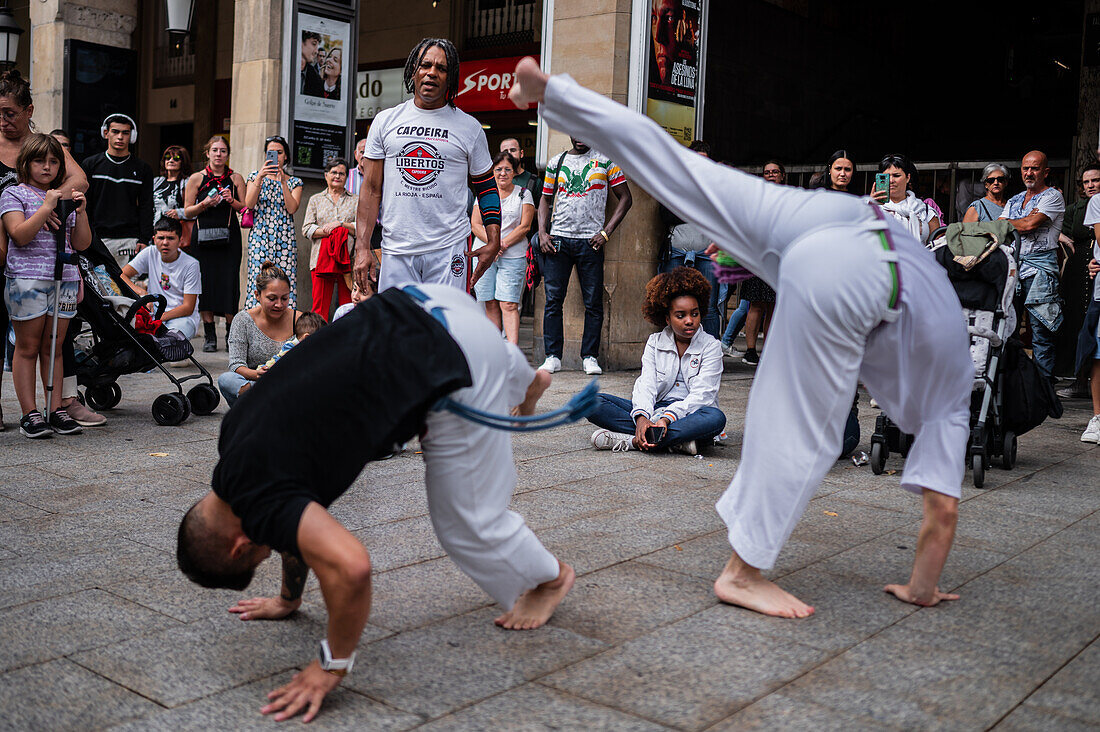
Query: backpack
1028	394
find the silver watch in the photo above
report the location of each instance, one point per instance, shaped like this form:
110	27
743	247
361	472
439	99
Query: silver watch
336	666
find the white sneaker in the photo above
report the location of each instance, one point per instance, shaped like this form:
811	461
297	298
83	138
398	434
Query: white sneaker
686	448
731	351
614	441
1091	433
552	364
591	366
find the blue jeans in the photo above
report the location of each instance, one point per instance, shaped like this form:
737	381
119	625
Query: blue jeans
556	268
1042	338
712	321
230	383
737	322
613	413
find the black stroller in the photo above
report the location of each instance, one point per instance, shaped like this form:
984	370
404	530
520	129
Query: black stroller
985	281
113	347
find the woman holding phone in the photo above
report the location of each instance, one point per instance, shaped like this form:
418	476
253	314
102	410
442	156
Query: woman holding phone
675	400
274	195
893	191
213	197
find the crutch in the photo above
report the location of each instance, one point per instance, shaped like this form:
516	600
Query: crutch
63	209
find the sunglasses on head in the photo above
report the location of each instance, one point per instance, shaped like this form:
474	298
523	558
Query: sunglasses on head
995	179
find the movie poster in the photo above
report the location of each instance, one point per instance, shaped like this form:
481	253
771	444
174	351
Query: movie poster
674	61
322	90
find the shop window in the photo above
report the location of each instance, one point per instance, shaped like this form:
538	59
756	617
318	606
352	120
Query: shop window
501	22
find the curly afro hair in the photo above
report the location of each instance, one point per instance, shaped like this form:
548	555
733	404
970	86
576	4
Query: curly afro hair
664	288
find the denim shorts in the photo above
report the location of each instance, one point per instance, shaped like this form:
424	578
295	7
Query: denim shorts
30	299
503	281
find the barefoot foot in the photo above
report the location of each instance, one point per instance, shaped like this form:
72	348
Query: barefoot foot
754	592
906	593
535	606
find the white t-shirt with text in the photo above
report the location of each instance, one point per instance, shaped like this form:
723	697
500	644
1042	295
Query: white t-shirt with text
171	279
511	214
429	154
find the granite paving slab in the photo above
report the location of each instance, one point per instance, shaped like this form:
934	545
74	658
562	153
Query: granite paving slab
778	711
420	594
60	695
1026	718
533	708
13	510
689	674
343	709
434	670
1072	691
400	543
50	629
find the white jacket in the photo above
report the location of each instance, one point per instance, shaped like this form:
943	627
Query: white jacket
701	366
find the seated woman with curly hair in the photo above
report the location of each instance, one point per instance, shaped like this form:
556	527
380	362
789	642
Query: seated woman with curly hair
675	400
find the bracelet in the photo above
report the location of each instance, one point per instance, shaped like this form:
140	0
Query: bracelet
606	238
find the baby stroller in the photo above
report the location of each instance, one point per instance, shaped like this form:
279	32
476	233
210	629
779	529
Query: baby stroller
981	263
112	346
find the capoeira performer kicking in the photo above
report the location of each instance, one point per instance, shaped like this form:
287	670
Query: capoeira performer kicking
861	299
298	439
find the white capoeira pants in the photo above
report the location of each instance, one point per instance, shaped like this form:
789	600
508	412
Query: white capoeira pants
441	267
833	322
470	471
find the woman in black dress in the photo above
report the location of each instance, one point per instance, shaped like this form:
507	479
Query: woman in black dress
213	198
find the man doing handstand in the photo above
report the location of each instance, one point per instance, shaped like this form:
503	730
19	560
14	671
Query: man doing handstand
299	438
862	299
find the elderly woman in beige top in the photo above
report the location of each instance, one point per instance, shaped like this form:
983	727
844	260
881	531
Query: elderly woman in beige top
326	212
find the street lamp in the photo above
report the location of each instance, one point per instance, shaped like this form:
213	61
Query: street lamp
179	14
9	37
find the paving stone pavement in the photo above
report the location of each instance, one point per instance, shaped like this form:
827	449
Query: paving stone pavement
99	629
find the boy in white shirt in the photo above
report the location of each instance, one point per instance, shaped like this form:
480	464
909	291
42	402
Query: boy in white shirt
172	273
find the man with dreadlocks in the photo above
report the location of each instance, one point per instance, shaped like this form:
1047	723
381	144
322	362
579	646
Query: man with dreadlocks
420	157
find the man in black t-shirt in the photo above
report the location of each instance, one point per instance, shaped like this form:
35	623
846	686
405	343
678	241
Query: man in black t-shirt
372	379
120	192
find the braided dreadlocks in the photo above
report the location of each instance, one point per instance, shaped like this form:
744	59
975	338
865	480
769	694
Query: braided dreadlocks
417	55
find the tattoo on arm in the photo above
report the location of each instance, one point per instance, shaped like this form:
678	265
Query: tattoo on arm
295	572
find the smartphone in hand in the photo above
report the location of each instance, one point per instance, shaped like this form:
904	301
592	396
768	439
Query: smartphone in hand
882	182
273	158
655	434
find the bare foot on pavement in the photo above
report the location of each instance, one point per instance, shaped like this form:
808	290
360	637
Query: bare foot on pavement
535	607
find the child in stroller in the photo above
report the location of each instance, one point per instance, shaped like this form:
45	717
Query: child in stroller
980	259
126	339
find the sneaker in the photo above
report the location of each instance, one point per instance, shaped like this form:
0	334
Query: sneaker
613	441
591	366
1092	432
33	425
552	364
686	448
1073	392
751	357
63	424
82	415
731	351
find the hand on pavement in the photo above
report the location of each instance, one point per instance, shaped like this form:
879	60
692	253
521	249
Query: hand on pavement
305	692
265	608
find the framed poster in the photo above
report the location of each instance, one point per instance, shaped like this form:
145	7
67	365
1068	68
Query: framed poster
673	92
322	92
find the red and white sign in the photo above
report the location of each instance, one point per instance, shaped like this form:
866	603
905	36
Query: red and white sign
485	83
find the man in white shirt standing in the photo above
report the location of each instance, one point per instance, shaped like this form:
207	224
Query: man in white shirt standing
1037	214
420	157
171	273
355	175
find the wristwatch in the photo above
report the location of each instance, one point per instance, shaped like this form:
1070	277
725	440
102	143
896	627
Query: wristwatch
335	666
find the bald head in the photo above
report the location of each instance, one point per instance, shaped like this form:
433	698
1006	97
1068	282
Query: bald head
1033	171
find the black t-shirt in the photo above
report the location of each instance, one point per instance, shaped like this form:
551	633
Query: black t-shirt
341	397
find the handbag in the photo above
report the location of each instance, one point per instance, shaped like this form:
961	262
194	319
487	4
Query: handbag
248	218
533	275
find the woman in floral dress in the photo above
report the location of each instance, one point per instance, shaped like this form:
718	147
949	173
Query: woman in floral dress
274	195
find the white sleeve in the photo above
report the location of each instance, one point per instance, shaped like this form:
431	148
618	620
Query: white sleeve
376	150
480	159
140	262
520	375
192	278
1053	206
1092	211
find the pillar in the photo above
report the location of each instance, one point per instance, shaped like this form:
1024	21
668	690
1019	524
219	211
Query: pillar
591	42
1088	108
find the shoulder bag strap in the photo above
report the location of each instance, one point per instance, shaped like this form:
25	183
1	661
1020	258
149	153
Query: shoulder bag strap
554	192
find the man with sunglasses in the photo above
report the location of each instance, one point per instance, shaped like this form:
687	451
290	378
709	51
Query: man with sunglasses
120	192
1037	214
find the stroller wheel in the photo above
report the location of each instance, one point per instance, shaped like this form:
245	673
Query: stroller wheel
878	457
1008	454
103	397
977	463
204	399
171	409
